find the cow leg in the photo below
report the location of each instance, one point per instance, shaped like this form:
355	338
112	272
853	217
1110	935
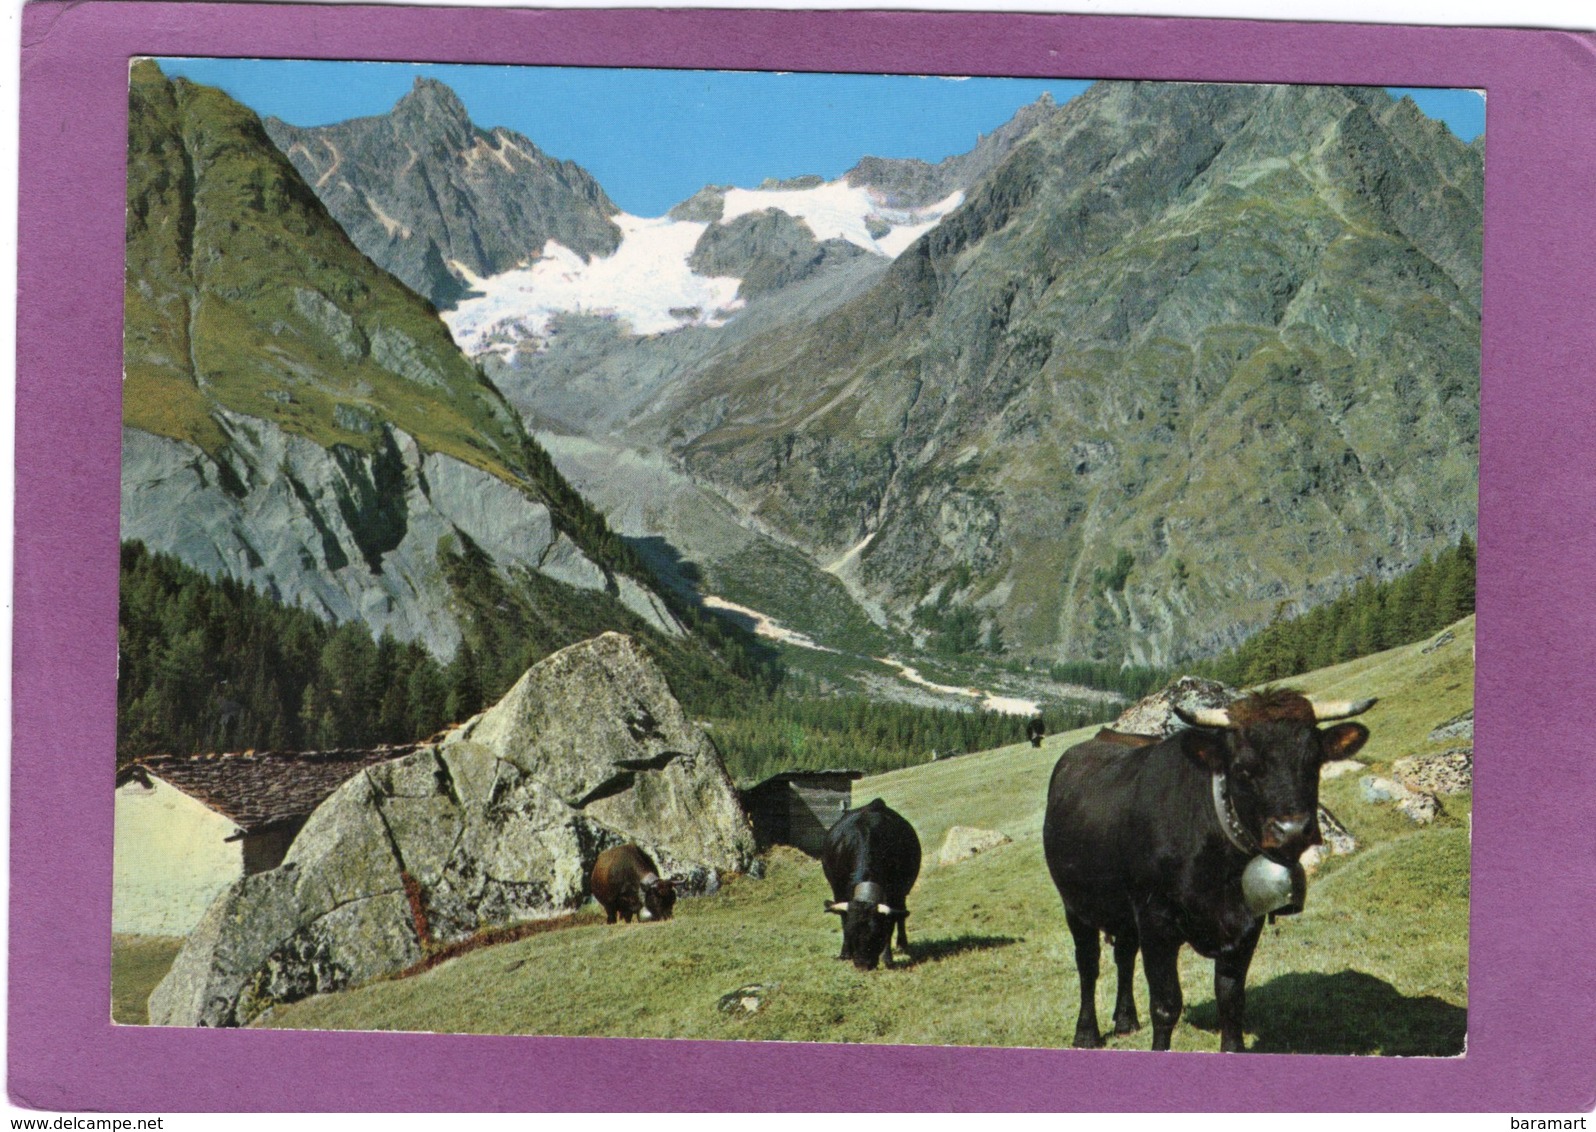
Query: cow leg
1088	951
903	936
609	917
1160	961
1125	947
1230	989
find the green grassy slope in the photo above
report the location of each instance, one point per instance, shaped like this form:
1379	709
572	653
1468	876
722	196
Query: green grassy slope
1377	963
242	293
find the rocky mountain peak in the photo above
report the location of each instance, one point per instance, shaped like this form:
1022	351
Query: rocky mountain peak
911	182
432	101
435	199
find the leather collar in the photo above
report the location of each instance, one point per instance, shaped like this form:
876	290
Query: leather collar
1229	822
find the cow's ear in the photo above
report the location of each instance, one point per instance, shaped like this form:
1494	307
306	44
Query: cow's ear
1206	746
1343	740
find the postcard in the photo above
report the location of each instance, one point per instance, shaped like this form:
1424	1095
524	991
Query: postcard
738	548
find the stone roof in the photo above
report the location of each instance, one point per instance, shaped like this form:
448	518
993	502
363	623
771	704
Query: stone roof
259	790
836	779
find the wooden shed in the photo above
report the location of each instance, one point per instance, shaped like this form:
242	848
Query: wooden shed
187	826
797	807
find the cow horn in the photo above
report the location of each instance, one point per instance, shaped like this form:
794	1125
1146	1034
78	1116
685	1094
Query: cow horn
1204	717
1324	712
884	910
839	906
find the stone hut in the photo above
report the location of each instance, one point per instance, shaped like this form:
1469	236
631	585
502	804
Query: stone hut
798	807
188	826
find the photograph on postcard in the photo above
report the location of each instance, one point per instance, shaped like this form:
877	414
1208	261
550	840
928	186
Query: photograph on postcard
797	556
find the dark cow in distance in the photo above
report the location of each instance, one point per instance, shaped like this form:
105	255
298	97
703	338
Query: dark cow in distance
1035	729
1148	840
627	883
871	859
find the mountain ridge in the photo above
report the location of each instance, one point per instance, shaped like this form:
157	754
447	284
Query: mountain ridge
468	202
1124	265
297	418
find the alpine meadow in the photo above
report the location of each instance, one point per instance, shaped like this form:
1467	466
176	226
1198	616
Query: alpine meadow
1020	524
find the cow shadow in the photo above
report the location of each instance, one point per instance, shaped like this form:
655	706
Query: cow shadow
1345	1012
936	950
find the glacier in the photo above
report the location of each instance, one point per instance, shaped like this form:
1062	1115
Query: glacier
648	286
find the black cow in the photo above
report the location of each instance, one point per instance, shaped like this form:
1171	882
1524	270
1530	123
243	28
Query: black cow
1148	843
1035	729
871	858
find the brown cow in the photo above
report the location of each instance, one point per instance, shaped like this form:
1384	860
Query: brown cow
627	883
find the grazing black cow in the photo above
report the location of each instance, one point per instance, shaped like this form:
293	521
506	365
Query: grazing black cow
871	858
1147	842
627	883
1034	730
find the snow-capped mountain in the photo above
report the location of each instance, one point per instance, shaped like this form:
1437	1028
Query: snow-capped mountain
646	284
505	239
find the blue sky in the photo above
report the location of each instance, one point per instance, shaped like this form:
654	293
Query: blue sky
1462	110
653	138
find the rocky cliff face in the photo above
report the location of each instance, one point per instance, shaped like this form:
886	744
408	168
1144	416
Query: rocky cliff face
300	420
1185	353
437	200
767	251
498	824
350	534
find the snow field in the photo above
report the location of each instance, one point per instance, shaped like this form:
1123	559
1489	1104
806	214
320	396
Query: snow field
647	284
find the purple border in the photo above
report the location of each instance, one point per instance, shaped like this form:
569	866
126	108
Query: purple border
1532	1029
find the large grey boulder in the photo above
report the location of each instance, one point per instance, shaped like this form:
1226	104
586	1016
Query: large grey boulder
1155	714
498	823
1417	806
